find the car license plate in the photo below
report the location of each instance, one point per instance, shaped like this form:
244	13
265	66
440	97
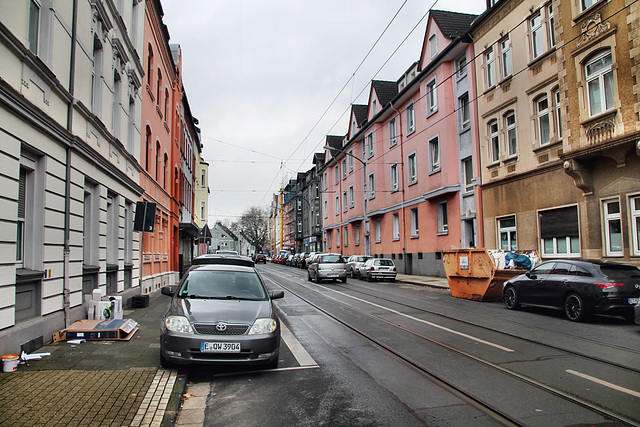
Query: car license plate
633	301
220	347
332	275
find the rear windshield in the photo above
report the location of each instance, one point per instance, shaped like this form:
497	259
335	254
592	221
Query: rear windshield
384	262
326	259
620	272
222	285
363	258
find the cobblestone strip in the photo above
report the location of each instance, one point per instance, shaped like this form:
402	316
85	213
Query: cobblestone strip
154	403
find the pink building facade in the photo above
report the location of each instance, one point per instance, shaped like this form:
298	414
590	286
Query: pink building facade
402	183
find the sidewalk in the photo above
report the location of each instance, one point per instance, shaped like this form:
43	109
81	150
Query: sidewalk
430	281
101	383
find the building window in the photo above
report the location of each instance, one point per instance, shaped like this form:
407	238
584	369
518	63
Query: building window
394	177
325	181
490	68
345	202
434	154
202	212
299	226
507	233
414	222
378	240
96	75
544	129
432	97
552	31
465	113
336	171
494	141
159	88
634	203
329	239
356	233
374	107
370	145
337	205
433	44
344	168
411	120
350	160
586	4
443	222
461	67
326	209
34	26
600	86
557	109
392	132
396	226
372	186
505	51
203	182
559	232
512	143
467	170
412	168
346	236
351	197
535	26
613	227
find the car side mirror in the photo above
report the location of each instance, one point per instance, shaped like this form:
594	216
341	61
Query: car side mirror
168	291
277	294
530	275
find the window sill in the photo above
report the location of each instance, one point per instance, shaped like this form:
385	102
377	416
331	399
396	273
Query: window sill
412	183
588	10
434	171
442	233
396	239
493	165
510	159
431	113
551	144
24	275
540	59
598	117
414	236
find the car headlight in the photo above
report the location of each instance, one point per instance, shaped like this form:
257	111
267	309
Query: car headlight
178	324
263	326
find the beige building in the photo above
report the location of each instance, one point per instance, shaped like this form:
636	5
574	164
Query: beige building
557	139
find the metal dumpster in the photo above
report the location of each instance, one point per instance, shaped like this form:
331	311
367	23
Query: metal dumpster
478	274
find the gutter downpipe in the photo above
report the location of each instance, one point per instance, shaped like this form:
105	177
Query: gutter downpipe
404	226
67	187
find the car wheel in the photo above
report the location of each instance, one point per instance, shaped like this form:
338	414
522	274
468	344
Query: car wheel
511	298
317	279
368	277
165	363
574	308
351	273
308	276
344	279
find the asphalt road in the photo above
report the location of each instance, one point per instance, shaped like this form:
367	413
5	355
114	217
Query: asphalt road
359	354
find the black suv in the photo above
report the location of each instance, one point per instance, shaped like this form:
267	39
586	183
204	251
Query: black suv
260	258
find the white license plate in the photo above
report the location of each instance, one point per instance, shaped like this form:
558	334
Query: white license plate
633	300
220	347
332	275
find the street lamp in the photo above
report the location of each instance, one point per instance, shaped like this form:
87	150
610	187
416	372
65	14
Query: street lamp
364	193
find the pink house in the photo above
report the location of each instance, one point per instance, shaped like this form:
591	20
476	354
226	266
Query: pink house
402	182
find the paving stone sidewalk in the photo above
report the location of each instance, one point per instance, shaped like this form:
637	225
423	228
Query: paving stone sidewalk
97	383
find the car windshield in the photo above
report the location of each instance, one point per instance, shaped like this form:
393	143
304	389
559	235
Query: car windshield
384	262
620	272
331	259
209	284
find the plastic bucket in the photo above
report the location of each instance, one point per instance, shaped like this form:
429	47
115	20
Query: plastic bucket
10	362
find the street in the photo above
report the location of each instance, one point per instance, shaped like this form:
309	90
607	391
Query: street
395	354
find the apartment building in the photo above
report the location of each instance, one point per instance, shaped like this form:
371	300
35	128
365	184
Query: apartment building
161	121
558	127
70	132
392	186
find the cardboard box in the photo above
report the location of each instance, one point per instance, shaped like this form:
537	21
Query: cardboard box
116	329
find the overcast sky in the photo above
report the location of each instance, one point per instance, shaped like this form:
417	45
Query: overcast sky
261	75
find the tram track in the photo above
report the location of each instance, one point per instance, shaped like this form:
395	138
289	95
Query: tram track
480	404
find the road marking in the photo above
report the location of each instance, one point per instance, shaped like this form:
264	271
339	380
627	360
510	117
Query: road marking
471	337
301	355
604	383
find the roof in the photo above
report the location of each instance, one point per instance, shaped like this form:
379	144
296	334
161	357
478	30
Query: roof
452	24
360	111
385	90
335	141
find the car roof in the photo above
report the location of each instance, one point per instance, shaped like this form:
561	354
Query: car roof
222	259
222	267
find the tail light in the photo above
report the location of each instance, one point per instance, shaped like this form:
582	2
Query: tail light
609	285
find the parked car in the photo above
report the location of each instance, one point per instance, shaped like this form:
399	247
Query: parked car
304	263
578	287
354	263
218	258
220	314
327	266
260	257
378	268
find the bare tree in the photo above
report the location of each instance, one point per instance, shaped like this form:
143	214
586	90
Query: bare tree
253	224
